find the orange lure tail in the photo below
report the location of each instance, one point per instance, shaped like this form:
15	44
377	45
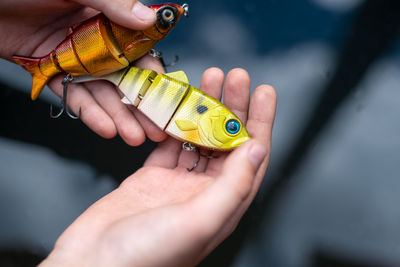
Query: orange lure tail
41	69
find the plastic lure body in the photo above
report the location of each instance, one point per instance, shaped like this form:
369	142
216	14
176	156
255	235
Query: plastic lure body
178	108
98	46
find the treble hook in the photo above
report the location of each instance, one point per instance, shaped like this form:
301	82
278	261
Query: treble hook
157	54
189	147
64	107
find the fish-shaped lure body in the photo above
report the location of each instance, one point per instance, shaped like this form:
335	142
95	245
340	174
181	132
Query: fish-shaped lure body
98	46
179	109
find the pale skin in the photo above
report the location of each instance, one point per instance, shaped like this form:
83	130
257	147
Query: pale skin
163	215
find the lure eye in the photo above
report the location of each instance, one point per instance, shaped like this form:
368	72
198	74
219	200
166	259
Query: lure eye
168	15
232	126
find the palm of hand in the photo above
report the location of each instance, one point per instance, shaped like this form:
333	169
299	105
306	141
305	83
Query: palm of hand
154	199
164	208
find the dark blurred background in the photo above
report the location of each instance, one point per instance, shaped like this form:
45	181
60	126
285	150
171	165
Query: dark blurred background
331	195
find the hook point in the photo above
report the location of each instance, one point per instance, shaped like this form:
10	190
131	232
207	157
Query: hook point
64	107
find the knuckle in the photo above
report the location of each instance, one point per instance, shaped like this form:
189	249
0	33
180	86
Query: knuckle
243	188
157	135
98	121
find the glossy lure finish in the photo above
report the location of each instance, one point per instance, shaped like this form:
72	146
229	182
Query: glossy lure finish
98	46
178	108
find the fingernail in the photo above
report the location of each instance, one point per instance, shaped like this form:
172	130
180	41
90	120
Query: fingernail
143	13
257	154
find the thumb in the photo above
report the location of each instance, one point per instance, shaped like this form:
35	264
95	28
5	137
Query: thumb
238	172
232	187
129	13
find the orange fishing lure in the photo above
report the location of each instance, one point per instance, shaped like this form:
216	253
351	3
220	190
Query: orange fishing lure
98	46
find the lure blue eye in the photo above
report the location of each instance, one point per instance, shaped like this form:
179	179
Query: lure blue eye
232	126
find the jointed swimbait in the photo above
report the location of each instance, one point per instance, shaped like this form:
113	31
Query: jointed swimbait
179	109
98	46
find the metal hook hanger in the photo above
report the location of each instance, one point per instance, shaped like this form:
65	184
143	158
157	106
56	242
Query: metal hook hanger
185	10
157	54
189	147
64	107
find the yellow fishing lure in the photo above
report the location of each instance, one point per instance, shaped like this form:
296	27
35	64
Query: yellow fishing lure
178	108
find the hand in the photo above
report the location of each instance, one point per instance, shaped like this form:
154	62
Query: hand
163	215
35	27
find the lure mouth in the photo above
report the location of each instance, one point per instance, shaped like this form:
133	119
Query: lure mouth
240	141
185	10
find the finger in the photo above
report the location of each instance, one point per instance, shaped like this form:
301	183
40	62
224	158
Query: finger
128	13
232	187
165	155
91	112
127	126
211	83
260	123
150	63
237	93
236	99
262	113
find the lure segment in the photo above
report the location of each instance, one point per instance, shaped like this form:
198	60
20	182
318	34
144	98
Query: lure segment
179	109
98	46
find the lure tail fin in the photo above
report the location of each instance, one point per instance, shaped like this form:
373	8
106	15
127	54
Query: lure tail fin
38	79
